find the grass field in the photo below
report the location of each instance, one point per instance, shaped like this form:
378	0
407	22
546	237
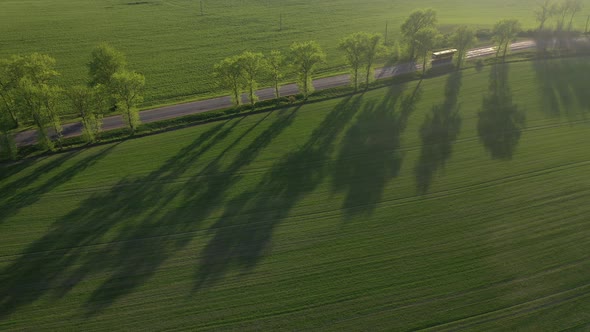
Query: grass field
175	47
459	202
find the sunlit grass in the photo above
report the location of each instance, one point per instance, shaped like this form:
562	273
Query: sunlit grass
339	215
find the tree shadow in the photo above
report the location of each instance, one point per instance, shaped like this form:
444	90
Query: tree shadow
370	154
438	133
58	261
563	87
147	245
11	168
500	120
12	199
242	234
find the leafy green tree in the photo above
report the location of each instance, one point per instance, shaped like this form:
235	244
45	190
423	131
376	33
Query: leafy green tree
463	39
105	61
418	20
253	66
127	89
36	97
7	145
305	57
39	102
361	50
90	104
373	45
11	71
354	48
425	41
229	76
505	32
276	64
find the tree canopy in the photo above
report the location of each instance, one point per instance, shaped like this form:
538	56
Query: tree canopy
305	57
104	62
418	20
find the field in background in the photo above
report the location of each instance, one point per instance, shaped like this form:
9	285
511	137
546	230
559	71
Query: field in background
175	48
457	202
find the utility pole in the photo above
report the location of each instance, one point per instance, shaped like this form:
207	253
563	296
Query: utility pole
281	22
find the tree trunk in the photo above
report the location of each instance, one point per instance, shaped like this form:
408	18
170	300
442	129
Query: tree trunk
237	96
277	92
131	124
424	66
571	21
368	78
58	134
305	88
505	51
14	118
11	113
252	95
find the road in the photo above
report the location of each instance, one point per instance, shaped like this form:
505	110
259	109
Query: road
174	111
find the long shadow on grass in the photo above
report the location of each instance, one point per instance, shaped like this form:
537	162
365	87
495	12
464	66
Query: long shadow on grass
564	88
58	261
241	236
146	245
438	133
500	121
23	192
370	154
8	169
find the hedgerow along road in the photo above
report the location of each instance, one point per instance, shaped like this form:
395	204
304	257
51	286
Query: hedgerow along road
29	137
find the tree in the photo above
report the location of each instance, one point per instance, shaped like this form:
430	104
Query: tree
425	41
105	61
127	89
418	20
39	102
372	47
90	105
544	13
252	65
505	32
305	57
353	47
573	6
276	63
36	98
229	76
7	144
10	74
463	39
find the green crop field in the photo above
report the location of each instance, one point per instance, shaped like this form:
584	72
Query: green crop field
175	47
457	202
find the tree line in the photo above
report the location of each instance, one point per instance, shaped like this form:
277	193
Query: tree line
420	36
28	93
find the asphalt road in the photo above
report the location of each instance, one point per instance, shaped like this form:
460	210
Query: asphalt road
173	111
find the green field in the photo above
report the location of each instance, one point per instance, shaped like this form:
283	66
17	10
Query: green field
175	48
457	202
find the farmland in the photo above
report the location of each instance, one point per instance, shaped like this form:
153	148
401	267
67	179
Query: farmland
455	202
175	47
